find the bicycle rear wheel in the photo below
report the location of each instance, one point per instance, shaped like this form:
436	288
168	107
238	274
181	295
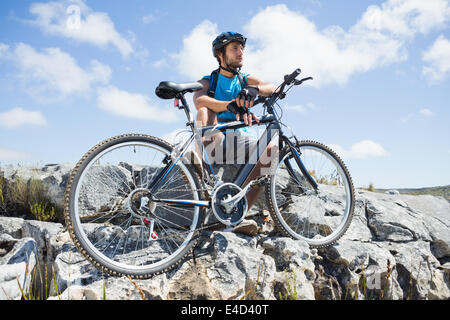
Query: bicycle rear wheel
319	217
111	218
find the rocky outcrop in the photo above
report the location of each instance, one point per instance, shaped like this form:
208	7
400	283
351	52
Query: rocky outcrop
53	176
16	265
397	247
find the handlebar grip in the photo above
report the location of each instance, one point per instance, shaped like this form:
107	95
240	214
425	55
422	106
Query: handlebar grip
289	78
259	100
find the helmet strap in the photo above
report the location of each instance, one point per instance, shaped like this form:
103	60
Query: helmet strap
233	72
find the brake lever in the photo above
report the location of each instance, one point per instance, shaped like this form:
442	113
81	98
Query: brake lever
299	82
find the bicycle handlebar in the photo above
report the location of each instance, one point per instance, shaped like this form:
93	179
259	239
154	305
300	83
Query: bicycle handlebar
288	79
291	77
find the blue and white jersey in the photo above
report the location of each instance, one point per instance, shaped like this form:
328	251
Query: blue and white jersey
227	89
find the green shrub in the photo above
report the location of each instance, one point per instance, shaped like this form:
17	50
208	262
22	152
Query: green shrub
28	199
291	286
42	213
2	199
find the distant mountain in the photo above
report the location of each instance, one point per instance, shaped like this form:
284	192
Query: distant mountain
443	191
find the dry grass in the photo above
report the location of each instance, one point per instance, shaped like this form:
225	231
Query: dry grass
27	199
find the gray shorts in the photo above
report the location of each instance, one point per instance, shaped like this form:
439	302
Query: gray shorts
233	147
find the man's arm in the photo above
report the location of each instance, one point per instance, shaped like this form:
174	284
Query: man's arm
202	100
265	88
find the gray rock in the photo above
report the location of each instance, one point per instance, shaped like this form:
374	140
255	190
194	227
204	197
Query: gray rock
72	269
54	177
420	274
326	287
295	266
235	262
362	268
12	226
393	192
247	227
397	247
16	267
359	229
435	213
390	221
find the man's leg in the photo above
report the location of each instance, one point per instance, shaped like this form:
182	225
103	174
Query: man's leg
260	168
206	117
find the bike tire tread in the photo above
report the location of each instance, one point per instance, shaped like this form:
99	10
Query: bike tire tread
270	201
70	226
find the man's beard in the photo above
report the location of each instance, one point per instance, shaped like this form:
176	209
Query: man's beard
233	65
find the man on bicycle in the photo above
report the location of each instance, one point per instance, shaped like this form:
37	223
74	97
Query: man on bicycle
228	95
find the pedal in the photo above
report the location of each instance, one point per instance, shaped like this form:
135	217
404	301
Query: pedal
261	181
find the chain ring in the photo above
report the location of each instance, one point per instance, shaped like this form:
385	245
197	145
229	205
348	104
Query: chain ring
221	193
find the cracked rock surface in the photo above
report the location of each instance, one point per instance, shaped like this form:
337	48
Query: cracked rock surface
397	247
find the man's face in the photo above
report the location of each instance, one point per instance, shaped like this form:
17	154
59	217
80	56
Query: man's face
234	55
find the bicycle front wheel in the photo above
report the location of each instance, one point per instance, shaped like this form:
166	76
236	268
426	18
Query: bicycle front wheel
110	214
320	217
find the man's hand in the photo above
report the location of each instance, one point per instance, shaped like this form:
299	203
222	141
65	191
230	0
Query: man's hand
247	117
242	112
247	96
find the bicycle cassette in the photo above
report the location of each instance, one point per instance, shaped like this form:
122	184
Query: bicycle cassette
226	215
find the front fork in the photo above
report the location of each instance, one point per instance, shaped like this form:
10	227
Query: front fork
297	156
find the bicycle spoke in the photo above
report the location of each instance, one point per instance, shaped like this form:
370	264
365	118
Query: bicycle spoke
108	197
302	211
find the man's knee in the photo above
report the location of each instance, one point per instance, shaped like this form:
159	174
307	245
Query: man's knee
202	114
269	155
206	116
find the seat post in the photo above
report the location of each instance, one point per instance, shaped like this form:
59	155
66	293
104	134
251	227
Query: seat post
187	110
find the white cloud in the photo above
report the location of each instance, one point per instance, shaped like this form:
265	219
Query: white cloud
196	59
360	150
162	63
55	71
76	21
132	105
19	117
10	155
405	18
149	18
426	112
281	40
3	49
437	58
298	108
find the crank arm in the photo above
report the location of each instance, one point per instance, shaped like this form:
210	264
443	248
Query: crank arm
230	203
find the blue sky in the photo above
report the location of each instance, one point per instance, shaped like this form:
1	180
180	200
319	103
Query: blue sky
73	73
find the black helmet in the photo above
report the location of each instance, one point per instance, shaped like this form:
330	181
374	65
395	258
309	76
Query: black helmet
225	38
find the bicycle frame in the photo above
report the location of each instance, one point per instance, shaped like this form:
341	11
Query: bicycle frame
273	126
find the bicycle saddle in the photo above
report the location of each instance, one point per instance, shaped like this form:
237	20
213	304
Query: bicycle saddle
169	89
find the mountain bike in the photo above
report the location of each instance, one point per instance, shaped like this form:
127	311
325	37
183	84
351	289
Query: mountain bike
134	206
